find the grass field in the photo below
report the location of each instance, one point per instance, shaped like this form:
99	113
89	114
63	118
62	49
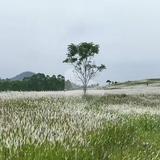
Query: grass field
54	126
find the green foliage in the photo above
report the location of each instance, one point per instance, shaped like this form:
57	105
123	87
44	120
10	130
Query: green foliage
38	82
81	57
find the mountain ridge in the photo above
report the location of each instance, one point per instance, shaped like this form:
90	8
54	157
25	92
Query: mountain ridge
22	75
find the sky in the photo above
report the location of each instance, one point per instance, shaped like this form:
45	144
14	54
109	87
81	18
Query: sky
34	35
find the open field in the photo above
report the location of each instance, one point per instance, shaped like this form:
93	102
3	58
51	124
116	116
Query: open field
106	125
77	93
136	90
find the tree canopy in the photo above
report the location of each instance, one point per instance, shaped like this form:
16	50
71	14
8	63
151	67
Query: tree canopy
81	57
38	82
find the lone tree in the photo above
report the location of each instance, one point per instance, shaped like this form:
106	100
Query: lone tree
81	57
109	82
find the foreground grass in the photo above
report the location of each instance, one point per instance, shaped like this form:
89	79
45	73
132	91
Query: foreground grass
127	137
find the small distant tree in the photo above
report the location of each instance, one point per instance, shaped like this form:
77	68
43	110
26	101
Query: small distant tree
68	85
81	57
115	82
109	82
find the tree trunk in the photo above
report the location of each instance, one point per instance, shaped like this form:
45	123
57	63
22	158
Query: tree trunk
84	90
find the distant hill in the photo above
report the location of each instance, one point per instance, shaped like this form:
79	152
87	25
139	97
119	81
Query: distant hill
137	83
21	76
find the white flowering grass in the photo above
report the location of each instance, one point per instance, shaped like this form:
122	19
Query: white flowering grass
138	90
37	121
52	125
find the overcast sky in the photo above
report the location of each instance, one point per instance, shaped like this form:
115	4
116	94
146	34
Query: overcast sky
34	35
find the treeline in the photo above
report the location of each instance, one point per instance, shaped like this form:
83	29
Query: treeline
38	82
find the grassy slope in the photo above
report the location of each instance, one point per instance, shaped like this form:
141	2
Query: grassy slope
150	82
